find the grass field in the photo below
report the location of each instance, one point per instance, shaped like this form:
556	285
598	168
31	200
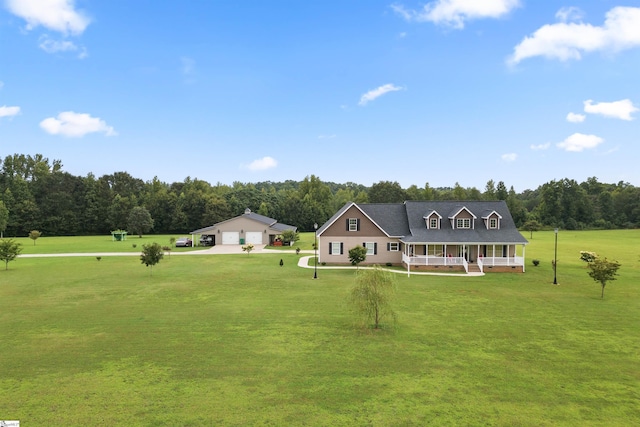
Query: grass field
239	340
90	244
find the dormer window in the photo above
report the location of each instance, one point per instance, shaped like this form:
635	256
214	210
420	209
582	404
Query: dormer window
492	220
432	220
463	223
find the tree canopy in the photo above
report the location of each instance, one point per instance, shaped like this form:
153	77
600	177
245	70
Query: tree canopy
37	194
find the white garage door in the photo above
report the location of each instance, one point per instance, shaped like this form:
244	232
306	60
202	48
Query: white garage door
254	237
230	238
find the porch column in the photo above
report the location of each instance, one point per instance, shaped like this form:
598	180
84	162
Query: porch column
523	260
445	255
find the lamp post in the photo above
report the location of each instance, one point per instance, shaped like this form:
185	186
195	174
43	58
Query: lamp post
555	259
315	250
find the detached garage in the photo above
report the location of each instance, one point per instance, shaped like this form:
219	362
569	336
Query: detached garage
244	229
230	238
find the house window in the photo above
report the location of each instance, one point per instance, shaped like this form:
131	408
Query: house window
463	223
353	224
393	247
371	248
493	223
335	248
433	223
434	250
495	251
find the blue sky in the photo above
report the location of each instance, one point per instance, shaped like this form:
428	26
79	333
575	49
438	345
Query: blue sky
442	91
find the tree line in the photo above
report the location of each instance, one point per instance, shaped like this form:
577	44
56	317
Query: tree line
37	194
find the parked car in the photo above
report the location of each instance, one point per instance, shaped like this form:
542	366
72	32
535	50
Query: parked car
206	240
183	242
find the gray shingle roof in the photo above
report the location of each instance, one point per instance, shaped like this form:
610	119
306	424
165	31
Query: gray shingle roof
407	221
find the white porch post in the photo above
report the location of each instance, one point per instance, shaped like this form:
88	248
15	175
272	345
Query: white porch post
523	260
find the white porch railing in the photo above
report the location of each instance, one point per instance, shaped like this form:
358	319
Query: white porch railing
432	260
420	260
502	261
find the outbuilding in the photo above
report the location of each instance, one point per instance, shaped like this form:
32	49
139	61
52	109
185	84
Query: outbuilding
248	228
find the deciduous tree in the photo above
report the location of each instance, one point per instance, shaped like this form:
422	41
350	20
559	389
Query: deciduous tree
140	220
373	294
4	218
34	235
151	255
9	250
603	271
357	254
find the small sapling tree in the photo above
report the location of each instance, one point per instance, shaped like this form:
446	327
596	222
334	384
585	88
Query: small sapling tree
603	271
357	254
248	248
151	255
9	251
33	235
372	295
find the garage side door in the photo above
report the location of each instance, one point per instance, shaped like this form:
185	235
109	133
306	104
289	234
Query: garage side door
254	237
230	238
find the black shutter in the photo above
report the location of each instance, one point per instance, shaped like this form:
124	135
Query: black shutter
375	248
341	248
358	224
347	224
388	247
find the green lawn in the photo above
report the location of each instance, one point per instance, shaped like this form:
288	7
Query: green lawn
90	244
239	340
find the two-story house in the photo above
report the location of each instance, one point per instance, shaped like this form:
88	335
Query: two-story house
430	235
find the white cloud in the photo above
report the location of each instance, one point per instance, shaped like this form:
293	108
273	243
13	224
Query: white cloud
510	157
579	141
455	13
1	84
73	124
377	92
262	164
567	14
544	146
576	118
53	46
9	111
618	109
569	40
56	15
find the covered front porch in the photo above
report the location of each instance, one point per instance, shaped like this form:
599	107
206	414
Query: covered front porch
464	257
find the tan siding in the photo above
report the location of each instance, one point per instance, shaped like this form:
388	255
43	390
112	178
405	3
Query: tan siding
339	228
382	257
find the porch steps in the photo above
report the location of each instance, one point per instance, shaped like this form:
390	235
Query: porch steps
474	268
